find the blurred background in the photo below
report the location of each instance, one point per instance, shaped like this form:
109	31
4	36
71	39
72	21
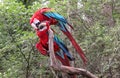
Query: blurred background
96	29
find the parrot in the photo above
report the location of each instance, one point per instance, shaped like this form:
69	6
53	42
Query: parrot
60	49
54	18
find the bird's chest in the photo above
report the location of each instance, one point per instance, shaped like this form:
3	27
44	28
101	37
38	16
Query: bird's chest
45	44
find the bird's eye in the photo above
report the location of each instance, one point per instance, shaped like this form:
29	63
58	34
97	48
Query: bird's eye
41	27
37	24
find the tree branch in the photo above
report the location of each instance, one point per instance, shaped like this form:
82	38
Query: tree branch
66	69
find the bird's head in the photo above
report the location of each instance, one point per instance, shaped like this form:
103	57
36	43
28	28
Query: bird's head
36	24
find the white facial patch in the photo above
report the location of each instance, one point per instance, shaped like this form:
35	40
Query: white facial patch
35	21
34	26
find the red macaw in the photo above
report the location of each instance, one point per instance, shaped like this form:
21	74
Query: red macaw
47	14
61	51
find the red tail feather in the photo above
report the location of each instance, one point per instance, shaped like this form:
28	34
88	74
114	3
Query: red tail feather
77	47
65	62
70	25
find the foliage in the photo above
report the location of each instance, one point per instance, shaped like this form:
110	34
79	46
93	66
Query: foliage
100	42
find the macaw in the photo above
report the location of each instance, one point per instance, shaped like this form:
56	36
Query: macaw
61	51
47	14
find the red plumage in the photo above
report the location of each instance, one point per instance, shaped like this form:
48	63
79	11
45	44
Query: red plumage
42	46
41	17
77	47
39	14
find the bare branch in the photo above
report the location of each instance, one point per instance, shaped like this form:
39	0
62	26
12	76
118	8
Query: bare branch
62	68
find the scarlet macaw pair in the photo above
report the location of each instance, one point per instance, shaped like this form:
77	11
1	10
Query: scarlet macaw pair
41	20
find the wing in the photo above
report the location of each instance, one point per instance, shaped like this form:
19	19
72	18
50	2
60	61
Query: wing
50	13
62	23
63	47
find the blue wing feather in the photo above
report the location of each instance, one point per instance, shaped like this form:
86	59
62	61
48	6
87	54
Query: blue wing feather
63	47
56	16
62	26
61	20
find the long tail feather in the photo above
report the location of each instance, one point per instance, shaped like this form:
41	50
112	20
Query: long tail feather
65	62
77	47
70	25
